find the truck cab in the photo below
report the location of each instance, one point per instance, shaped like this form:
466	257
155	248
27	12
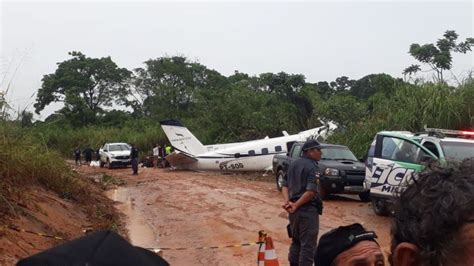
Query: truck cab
341	172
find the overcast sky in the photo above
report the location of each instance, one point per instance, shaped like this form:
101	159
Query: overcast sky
321	40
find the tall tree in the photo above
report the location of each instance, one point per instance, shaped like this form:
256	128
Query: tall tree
90	83
438	56
168	85
374	83
342	83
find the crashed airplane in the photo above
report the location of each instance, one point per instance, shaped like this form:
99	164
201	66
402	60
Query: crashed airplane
256	155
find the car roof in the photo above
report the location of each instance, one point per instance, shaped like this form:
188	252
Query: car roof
118	143
457	140
326	145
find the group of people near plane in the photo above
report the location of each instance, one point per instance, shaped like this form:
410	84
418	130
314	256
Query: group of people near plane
433	219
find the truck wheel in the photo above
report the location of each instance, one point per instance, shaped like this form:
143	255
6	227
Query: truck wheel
364	196
279	179
101	164
380	207
109	165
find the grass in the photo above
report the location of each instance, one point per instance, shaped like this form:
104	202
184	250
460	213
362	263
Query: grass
26	160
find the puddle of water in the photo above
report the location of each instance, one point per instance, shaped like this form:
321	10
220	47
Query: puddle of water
139	231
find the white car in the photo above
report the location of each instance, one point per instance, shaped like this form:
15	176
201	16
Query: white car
115	154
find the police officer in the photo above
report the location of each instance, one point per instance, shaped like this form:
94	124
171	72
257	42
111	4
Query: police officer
303	203
134	159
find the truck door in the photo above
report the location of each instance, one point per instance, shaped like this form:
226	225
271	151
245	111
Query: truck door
395	159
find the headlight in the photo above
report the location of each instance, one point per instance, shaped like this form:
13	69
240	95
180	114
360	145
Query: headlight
331	172
112	156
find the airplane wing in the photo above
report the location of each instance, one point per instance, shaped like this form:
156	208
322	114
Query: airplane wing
177	158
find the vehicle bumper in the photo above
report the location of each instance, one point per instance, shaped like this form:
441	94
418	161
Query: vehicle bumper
120	162
336	184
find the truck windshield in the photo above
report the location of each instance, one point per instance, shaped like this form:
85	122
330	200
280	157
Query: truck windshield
119	147
337	153
457	151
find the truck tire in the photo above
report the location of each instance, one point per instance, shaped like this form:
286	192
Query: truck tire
380	206
101	164
364	196
109	165
279	179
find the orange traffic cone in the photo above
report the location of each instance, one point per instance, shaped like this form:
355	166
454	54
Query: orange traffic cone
266	252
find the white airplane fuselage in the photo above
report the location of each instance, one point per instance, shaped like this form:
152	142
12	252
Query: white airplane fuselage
255	155
248	156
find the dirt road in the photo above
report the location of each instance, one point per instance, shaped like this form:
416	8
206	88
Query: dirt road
182	209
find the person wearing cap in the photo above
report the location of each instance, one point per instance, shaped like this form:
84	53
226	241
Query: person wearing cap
302	202
349	245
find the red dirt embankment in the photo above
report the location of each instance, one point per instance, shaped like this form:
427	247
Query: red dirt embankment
40	210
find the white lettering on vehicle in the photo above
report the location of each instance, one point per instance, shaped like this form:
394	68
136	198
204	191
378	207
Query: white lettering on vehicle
391	180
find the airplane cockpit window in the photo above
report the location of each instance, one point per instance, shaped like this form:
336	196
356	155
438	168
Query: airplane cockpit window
265	151
278	148
251	152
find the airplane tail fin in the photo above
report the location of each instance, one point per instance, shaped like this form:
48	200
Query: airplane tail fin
181	138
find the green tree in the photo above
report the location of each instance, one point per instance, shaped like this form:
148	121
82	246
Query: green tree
438	56
343	109
342	83
374	83
168	86
82	82
26	118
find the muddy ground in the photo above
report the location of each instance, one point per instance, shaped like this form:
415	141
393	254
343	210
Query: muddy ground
184	209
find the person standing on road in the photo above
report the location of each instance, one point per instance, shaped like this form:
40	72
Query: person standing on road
134	159
303	203
156	155
88	154
77	155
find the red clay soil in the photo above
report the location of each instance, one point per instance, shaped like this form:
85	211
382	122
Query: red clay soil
45	212
178	209
184	209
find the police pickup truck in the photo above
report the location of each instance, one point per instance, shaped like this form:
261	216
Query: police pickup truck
394	156
341	172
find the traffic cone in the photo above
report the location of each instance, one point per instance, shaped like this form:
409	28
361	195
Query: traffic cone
266	252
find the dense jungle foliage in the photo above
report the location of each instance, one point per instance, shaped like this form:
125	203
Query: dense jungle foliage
240	107
104	103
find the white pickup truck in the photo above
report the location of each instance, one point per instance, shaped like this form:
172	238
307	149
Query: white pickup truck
115	154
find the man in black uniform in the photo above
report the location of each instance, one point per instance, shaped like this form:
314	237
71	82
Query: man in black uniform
88	154
134	159
77	155
302	202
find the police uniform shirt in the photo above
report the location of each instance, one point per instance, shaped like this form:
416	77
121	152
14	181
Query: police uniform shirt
302	175
134	153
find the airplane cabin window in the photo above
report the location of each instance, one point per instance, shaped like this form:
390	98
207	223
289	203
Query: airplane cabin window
251	152
278	148
265	151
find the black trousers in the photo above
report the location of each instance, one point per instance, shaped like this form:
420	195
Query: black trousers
135	166
304	227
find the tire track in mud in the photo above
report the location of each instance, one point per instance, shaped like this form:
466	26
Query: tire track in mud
194	209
